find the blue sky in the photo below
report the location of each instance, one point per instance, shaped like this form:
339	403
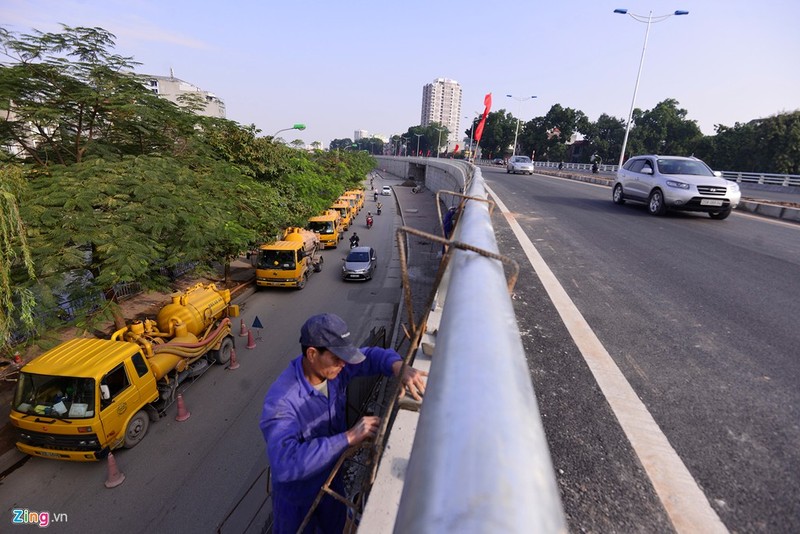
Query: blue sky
342	66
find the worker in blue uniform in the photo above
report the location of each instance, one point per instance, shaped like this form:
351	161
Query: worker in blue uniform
304	420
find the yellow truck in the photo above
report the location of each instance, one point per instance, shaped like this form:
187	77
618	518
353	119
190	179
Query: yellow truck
359	194
351	201
290	261
344	211
328	228
86	397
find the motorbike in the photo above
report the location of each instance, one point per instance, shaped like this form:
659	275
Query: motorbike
378	211
595	168
353	242
369	222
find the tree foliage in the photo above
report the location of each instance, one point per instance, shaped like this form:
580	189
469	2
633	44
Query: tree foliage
120	182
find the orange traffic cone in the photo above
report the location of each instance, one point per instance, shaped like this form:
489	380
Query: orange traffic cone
234	364
242	329
115	476
251	343
183	413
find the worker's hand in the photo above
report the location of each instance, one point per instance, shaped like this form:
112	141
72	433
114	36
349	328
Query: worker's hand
412	380
365	428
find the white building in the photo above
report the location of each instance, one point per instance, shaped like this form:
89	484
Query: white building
360	134
441	102
171	88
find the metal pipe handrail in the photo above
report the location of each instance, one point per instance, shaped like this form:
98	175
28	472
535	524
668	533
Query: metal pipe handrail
480	461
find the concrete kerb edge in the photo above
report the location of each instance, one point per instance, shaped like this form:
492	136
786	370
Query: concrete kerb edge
773	211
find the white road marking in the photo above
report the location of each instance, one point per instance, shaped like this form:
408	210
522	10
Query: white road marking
687	506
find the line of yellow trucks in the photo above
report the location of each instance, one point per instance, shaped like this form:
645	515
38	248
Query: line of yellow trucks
289	261
86	397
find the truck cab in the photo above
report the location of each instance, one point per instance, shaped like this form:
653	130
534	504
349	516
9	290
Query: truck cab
344	212
327	228
82	399
285	264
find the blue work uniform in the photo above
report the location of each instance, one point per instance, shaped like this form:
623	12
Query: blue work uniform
305	435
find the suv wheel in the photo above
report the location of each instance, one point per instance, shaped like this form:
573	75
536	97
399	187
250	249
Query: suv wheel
617	195
655	204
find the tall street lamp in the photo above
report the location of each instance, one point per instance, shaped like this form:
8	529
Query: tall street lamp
294	127
439	142
418	136
648	20
519	99
472	132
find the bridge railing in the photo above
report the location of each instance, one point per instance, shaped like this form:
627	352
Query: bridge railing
479	461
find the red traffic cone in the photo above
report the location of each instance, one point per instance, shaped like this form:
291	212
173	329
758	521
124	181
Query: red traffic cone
115	476
183	413
242	329
234	364
251	343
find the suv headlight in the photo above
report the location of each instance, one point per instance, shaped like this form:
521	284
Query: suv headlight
678	185
734	186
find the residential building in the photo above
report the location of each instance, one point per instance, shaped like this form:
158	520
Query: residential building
441	103
360	134
171	88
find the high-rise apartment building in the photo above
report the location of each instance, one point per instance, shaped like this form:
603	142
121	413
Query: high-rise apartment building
441	102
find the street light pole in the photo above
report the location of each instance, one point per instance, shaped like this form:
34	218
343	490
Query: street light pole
649	20
418	136
519	99
294	127
472	133
439	142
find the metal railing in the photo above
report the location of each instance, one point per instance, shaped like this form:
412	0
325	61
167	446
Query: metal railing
480	461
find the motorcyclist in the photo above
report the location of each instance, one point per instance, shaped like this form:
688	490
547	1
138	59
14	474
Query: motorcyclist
369	219
376	195
354	240
380	205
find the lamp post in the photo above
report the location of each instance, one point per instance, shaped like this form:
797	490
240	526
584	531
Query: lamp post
650	19
297	126
472	133
418	136
519	99
439	142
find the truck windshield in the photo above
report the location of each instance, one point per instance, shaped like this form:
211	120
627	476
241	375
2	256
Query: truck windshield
321	227
276	259
64	397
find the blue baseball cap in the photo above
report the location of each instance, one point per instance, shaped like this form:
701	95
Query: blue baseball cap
330	331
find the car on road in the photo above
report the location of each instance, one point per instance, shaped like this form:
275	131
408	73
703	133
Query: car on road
677	183
360	264
386	191
519	164
498	161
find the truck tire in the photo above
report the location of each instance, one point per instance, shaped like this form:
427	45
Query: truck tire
223	354
302	283
318	265
137	428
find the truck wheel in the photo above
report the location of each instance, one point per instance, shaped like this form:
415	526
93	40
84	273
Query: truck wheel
302	283
318	265
137	428
223	355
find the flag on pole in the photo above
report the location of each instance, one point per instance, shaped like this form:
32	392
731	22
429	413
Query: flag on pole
487	101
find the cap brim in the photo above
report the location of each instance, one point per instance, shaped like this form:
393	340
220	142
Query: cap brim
348	353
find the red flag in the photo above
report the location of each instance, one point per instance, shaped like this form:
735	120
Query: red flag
487	101
455	149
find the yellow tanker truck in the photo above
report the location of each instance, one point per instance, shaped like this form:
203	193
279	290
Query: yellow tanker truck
290	261
86	397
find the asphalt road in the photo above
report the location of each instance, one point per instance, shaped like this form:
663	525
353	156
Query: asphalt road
700	316
189	476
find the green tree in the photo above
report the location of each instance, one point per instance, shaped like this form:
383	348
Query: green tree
547	136
663	130
498	133
604	138
16	301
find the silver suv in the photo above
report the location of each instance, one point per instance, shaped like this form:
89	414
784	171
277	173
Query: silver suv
519	164
675	183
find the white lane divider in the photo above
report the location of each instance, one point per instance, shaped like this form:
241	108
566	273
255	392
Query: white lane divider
687	506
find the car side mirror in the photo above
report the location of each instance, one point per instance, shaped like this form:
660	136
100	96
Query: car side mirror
718	174
105	393
647	170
